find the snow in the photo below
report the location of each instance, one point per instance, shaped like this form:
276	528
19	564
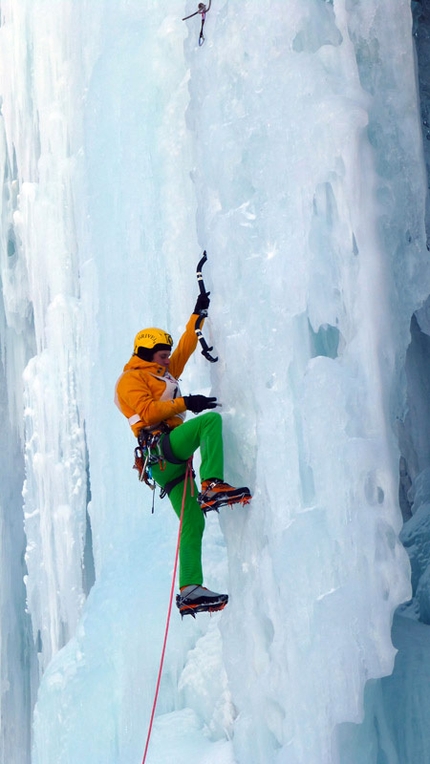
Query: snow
289	147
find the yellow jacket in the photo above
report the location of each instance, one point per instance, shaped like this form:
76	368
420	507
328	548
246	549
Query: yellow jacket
146	392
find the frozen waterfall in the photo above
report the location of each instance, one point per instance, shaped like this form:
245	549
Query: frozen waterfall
288	146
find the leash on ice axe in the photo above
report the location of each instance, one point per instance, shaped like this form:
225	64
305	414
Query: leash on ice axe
203	313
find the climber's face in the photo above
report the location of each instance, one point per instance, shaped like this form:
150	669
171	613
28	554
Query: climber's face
162	358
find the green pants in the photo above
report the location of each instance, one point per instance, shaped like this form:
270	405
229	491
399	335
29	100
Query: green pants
204	432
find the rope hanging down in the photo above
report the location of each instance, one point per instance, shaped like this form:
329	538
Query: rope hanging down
206	349
188	477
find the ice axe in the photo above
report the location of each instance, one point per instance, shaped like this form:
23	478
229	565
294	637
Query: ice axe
205	348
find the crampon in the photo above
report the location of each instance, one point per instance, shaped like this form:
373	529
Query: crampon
198	599
216	494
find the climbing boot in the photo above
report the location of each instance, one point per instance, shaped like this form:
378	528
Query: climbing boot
198	599
215	493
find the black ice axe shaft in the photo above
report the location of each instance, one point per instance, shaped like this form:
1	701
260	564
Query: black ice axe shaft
205	349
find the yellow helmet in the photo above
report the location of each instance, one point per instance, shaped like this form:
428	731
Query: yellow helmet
150	338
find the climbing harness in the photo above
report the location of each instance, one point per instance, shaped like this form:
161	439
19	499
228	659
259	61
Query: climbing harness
148	453
206	349
187	477
154	448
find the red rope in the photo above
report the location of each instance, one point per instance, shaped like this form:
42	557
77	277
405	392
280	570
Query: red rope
188	476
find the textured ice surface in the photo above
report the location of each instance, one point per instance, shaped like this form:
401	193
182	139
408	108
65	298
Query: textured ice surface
289	147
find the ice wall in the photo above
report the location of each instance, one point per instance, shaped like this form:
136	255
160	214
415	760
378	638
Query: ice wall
347	205
17	659
394	727
17	654
421	15
42	51
42	359
289	147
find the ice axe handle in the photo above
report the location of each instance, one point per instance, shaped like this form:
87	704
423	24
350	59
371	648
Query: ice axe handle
206	350
200	265
205	347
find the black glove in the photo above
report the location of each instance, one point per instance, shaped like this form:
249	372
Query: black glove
198	403
202	304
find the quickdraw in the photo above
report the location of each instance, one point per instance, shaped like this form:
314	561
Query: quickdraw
146	454
206	349
142	462
202	9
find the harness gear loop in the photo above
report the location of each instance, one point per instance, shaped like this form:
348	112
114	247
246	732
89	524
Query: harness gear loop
154	448
141	461
146	454
206	349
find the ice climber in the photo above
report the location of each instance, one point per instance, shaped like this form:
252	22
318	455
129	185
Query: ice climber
148	394
202	10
